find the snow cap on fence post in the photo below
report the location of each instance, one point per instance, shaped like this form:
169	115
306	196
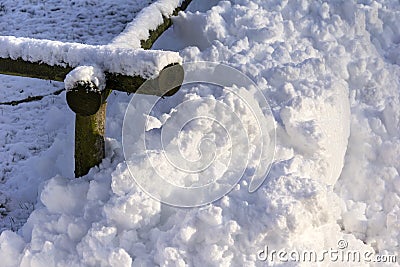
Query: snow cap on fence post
86	74
85	87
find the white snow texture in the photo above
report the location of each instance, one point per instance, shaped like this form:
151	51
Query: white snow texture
330	71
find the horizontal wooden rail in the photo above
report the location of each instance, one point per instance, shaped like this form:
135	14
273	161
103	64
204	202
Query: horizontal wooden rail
117	82
35	67
19	67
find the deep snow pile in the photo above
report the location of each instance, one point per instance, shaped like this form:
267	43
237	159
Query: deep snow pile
330	72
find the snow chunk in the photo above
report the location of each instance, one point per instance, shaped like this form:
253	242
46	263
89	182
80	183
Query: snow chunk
119	258
11	246
90	75
60	196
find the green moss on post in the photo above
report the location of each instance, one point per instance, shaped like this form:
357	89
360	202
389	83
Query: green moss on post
89	141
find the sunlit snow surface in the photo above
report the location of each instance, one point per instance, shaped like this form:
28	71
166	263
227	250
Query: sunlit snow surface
81	21
330	72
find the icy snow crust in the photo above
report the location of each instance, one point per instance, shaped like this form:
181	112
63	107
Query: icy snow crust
330	71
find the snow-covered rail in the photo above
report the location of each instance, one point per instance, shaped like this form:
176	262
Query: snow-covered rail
90	72
110	58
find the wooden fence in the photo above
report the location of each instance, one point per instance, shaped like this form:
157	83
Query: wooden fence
90	105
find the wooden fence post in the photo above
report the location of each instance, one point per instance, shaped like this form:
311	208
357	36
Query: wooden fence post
89	140
89	104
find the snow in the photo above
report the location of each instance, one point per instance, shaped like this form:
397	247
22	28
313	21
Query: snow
214	148
138	29
132	62
91	75
123	55
80	21
329	71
